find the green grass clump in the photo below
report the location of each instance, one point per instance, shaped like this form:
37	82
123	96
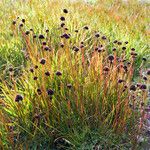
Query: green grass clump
68	77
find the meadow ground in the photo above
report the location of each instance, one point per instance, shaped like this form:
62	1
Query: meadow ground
73	75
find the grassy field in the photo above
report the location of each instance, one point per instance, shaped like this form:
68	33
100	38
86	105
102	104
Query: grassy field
73	75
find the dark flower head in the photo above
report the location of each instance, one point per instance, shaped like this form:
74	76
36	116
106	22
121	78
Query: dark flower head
82	45
96	48
69	86
142	103
114	49
111	57
75	48
120	81
27	32
58	73
46	48
65	11
148	72
62	25
23	20
39	91
138	84
41	36
143	87
11	69
104	38
125	68
76	31
36	66
119	43
123	48
144	59
62	18
31	30
86	27
61	45
126	42
115	41
21	25
106	69
44	43
34	36
14	22
42	61
31	70
145	78
132	88
97	35
47	73
18	98
50	92
47	30
132	49
99	49
66	29
65	35
35	78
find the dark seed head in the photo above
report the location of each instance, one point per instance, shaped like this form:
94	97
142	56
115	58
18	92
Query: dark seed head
114	49
144	59
65	11
65	35
23	20
138	84
106	68
62	25
44	43
11	69
47	73
132	49
143	87
31	30
18	98
61	45
58	73
75	48
14	22
97	35
104	38
148	72
39	91
132	88
76	31
111	57
41	36
50	92
119	43
82	45
47	30
126	42
142	103
145	78
123	48
120	81
21	25
46	48
35	78
42	61
34	36
115	41
69	86
86	27
62	18
31	70
27	32
36	66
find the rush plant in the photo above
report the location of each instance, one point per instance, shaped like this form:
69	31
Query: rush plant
80	83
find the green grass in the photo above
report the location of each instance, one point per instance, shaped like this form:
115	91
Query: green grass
86	104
